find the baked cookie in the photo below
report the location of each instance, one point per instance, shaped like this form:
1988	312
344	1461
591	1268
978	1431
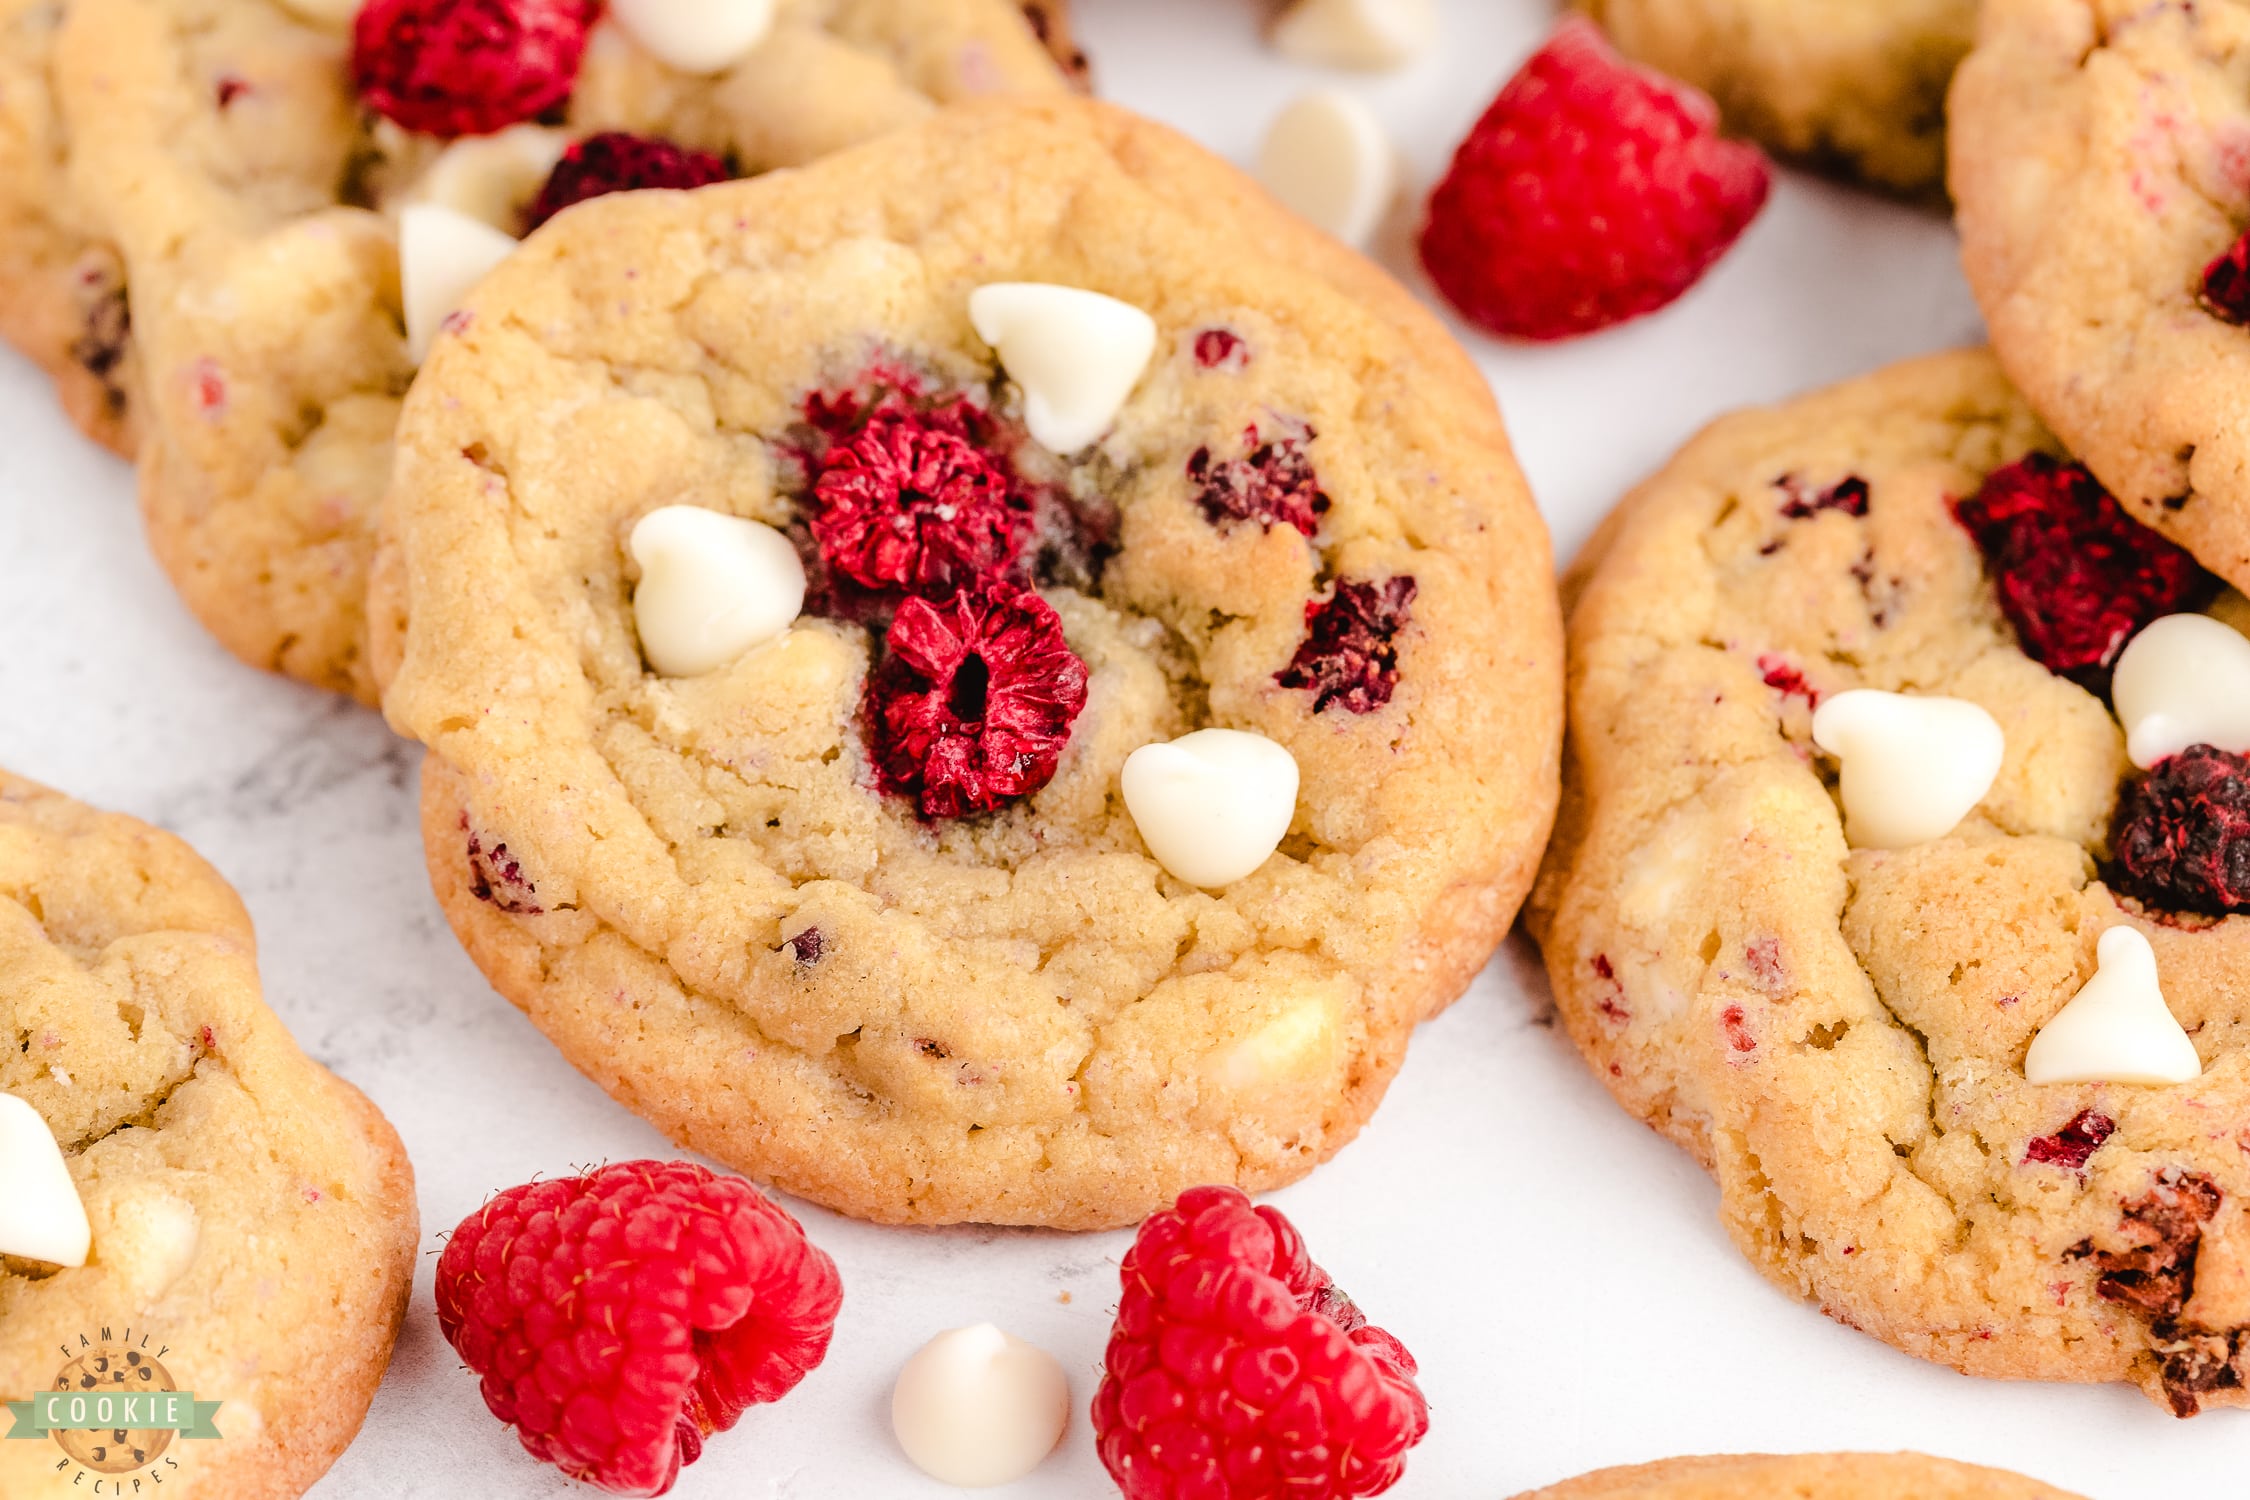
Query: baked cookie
253	1216
62	296
863	910
222	147
1852	85
2102	167
1838	1028
1810	1476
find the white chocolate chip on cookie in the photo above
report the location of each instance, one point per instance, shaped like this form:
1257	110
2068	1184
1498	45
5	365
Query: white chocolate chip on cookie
149	1237
442	255
2185	680
1913	766
1076	354
2118	1028
1212	806
976	1406
1327	159
696	36
712	586
1371	34
41	1217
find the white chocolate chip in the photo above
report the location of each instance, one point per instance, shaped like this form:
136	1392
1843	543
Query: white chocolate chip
1302	1035
41	1216
696	36
337	13
149	1237
492	178
2118	1028
1076	354
1326	158
976	1407
1372	34
1913	766
2185	680
1212	806
442	255
712	586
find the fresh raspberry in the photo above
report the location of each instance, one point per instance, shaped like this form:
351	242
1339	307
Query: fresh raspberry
1350	651
1237	1371
619	162
468	67
974	701
2075	574
1592	191
2226	284
1274	485
2071	1146
1801	502
620	1317
914	508
2181	838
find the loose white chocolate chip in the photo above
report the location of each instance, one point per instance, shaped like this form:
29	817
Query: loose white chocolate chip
696	36
1326	158
492	178
1913	766
2118	1028
976	1407
712	586
1212	806
1372	34
442	255
338	13
41	1216
1076	354
2185	680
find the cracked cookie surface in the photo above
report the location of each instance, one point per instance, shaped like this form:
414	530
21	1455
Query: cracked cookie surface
1838	1034
251	1211
218	146
1810	1476
705	897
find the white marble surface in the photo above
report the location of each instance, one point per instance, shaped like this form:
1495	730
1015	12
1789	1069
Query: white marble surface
1558	1269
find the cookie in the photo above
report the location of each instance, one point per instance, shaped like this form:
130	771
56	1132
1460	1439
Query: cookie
1827	1476
1838	1031
220	146
2102	167
862	911
253	1216
1855	86
62	296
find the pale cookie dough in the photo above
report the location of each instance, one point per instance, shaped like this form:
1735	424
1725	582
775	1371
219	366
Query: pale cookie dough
1854	85
1839	1034
218	144
2102	160
694	886
253	1215
1811	1476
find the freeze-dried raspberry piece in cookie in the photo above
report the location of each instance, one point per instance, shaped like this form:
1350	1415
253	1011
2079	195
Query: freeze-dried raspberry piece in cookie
1590	192
1838	1031
1237	1370
620	1317
1004	839
618	161
468	67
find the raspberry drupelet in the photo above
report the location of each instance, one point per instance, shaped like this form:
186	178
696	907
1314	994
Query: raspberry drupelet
620	1317
1350	651
1237	1370
468	67
618	162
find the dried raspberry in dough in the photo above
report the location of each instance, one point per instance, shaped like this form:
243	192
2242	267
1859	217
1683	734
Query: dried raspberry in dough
1350	651
916	508
468	67
618	162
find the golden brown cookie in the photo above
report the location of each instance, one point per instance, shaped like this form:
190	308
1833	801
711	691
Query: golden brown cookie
253	1216
1811	1476
727	903
1838	1032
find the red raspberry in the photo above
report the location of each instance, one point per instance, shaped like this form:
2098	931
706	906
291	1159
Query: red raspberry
2226	284
1801	502
1274	485
2182	834
973	706
1237	1371
1592	191
1350	651
619	1317
619	162
914	507
2076	575
468	67
2072	1146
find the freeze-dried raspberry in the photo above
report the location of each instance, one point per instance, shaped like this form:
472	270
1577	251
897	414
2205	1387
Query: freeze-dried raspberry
973	705
1274	484
618	162
2226	283
2072	1146
1801	502
2075	574
914	508
2163	1228
2181	839
1221	349
1350	651
496	876
468	67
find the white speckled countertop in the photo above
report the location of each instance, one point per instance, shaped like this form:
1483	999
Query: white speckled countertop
1558	1270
